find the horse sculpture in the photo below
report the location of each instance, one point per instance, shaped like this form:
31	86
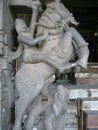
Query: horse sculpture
42	54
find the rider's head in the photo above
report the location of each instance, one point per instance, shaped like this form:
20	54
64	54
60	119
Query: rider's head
20	26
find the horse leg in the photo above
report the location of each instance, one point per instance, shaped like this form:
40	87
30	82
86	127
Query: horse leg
21	106
36	110
39	108
22	103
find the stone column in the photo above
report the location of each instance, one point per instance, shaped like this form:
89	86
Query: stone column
1	14
5	77
1	28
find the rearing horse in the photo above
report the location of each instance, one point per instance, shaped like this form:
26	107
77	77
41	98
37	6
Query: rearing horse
56	44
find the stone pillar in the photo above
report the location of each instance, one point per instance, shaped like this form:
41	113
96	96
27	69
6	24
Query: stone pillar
5	72
1	14
1	28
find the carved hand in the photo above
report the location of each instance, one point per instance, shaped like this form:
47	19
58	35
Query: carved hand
25	38
67	66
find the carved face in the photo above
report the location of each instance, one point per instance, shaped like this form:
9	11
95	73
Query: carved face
56	15
62	11
62	93
20	26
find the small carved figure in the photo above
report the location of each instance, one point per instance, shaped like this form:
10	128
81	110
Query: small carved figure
56	42
59	107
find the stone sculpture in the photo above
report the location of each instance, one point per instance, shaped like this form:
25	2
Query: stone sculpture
42	54
58	108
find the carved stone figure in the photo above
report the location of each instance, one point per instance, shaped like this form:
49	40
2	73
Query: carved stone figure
58	108
42	54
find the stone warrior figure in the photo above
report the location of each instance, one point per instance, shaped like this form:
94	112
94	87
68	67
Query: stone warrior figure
50	49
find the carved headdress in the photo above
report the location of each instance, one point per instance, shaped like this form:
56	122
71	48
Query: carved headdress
63	12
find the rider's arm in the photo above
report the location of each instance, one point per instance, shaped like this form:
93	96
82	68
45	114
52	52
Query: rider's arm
30	41
81	47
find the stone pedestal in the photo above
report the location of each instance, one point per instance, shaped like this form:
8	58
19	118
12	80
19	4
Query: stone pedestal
86	77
